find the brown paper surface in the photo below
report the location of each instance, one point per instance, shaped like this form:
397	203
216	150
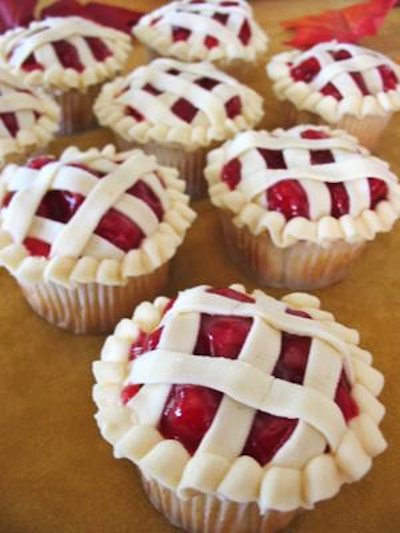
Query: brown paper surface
56	472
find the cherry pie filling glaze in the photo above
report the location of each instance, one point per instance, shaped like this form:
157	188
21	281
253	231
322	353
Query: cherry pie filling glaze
10	119
190	409
68	54
114	226
288	196
182	108
308	69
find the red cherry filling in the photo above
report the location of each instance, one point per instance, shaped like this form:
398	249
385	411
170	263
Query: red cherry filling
211	42
37	163
188	414
245	33
389	79
321	157
184	110
273	158
289	198
190	410
233	107
314	134
359	80
306	70
232	173
180	34
378	191
222	18
31	64
207	83
98	48
114	226
10	122
340	202
68	55
330	90
132	112
149	88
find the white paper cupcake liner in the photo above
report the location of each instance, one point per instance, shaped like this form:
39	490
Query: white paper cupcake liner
368	130
77	113
206	513
92	307
191	165
302	266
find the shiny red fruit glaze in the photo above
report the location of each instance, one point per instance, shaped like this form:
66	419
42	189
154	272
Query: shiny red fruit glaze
98	48
273	158
188	414
207	83
321	157
330	90
39	162
344	399
389	78
142	191
289	198
222	336
7	198
292	362
145	342
184	110
119	230
131	111
211	42
233	107
149	88
222	18
232	173
340	55
306	71
59	205
340	202
180	34
359	80
268	434
378	191
245	33
314	134
31	64
68	55
10	122
37	247
129	392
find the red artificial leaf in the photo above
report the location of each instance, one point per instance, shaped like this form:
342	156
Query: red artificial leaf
117	17
349	24
15	13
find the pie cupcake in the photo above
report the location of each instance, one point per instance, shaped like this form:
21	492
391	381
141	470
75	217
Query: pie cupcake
222	32
238	409
344	85
89	235
69	57
28	119
298	206
178	111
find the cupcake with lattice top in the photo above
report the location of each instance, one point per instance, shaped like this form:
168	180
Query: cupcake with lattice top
69	57
344	85
238	409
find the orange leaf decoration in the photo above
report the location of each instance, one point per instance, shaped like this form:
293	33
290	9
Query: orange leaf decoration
349	24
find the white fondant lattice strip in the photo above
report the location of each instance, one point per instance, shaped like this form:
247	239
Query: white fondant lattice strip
35	114
211	20
352	166
36	41
303	465
372	98
154	90
76	252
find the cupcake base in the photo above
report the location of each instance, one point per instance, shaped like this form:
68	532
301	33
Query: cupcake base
190	164
92	307
206	513
368	130
302	266
77	110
